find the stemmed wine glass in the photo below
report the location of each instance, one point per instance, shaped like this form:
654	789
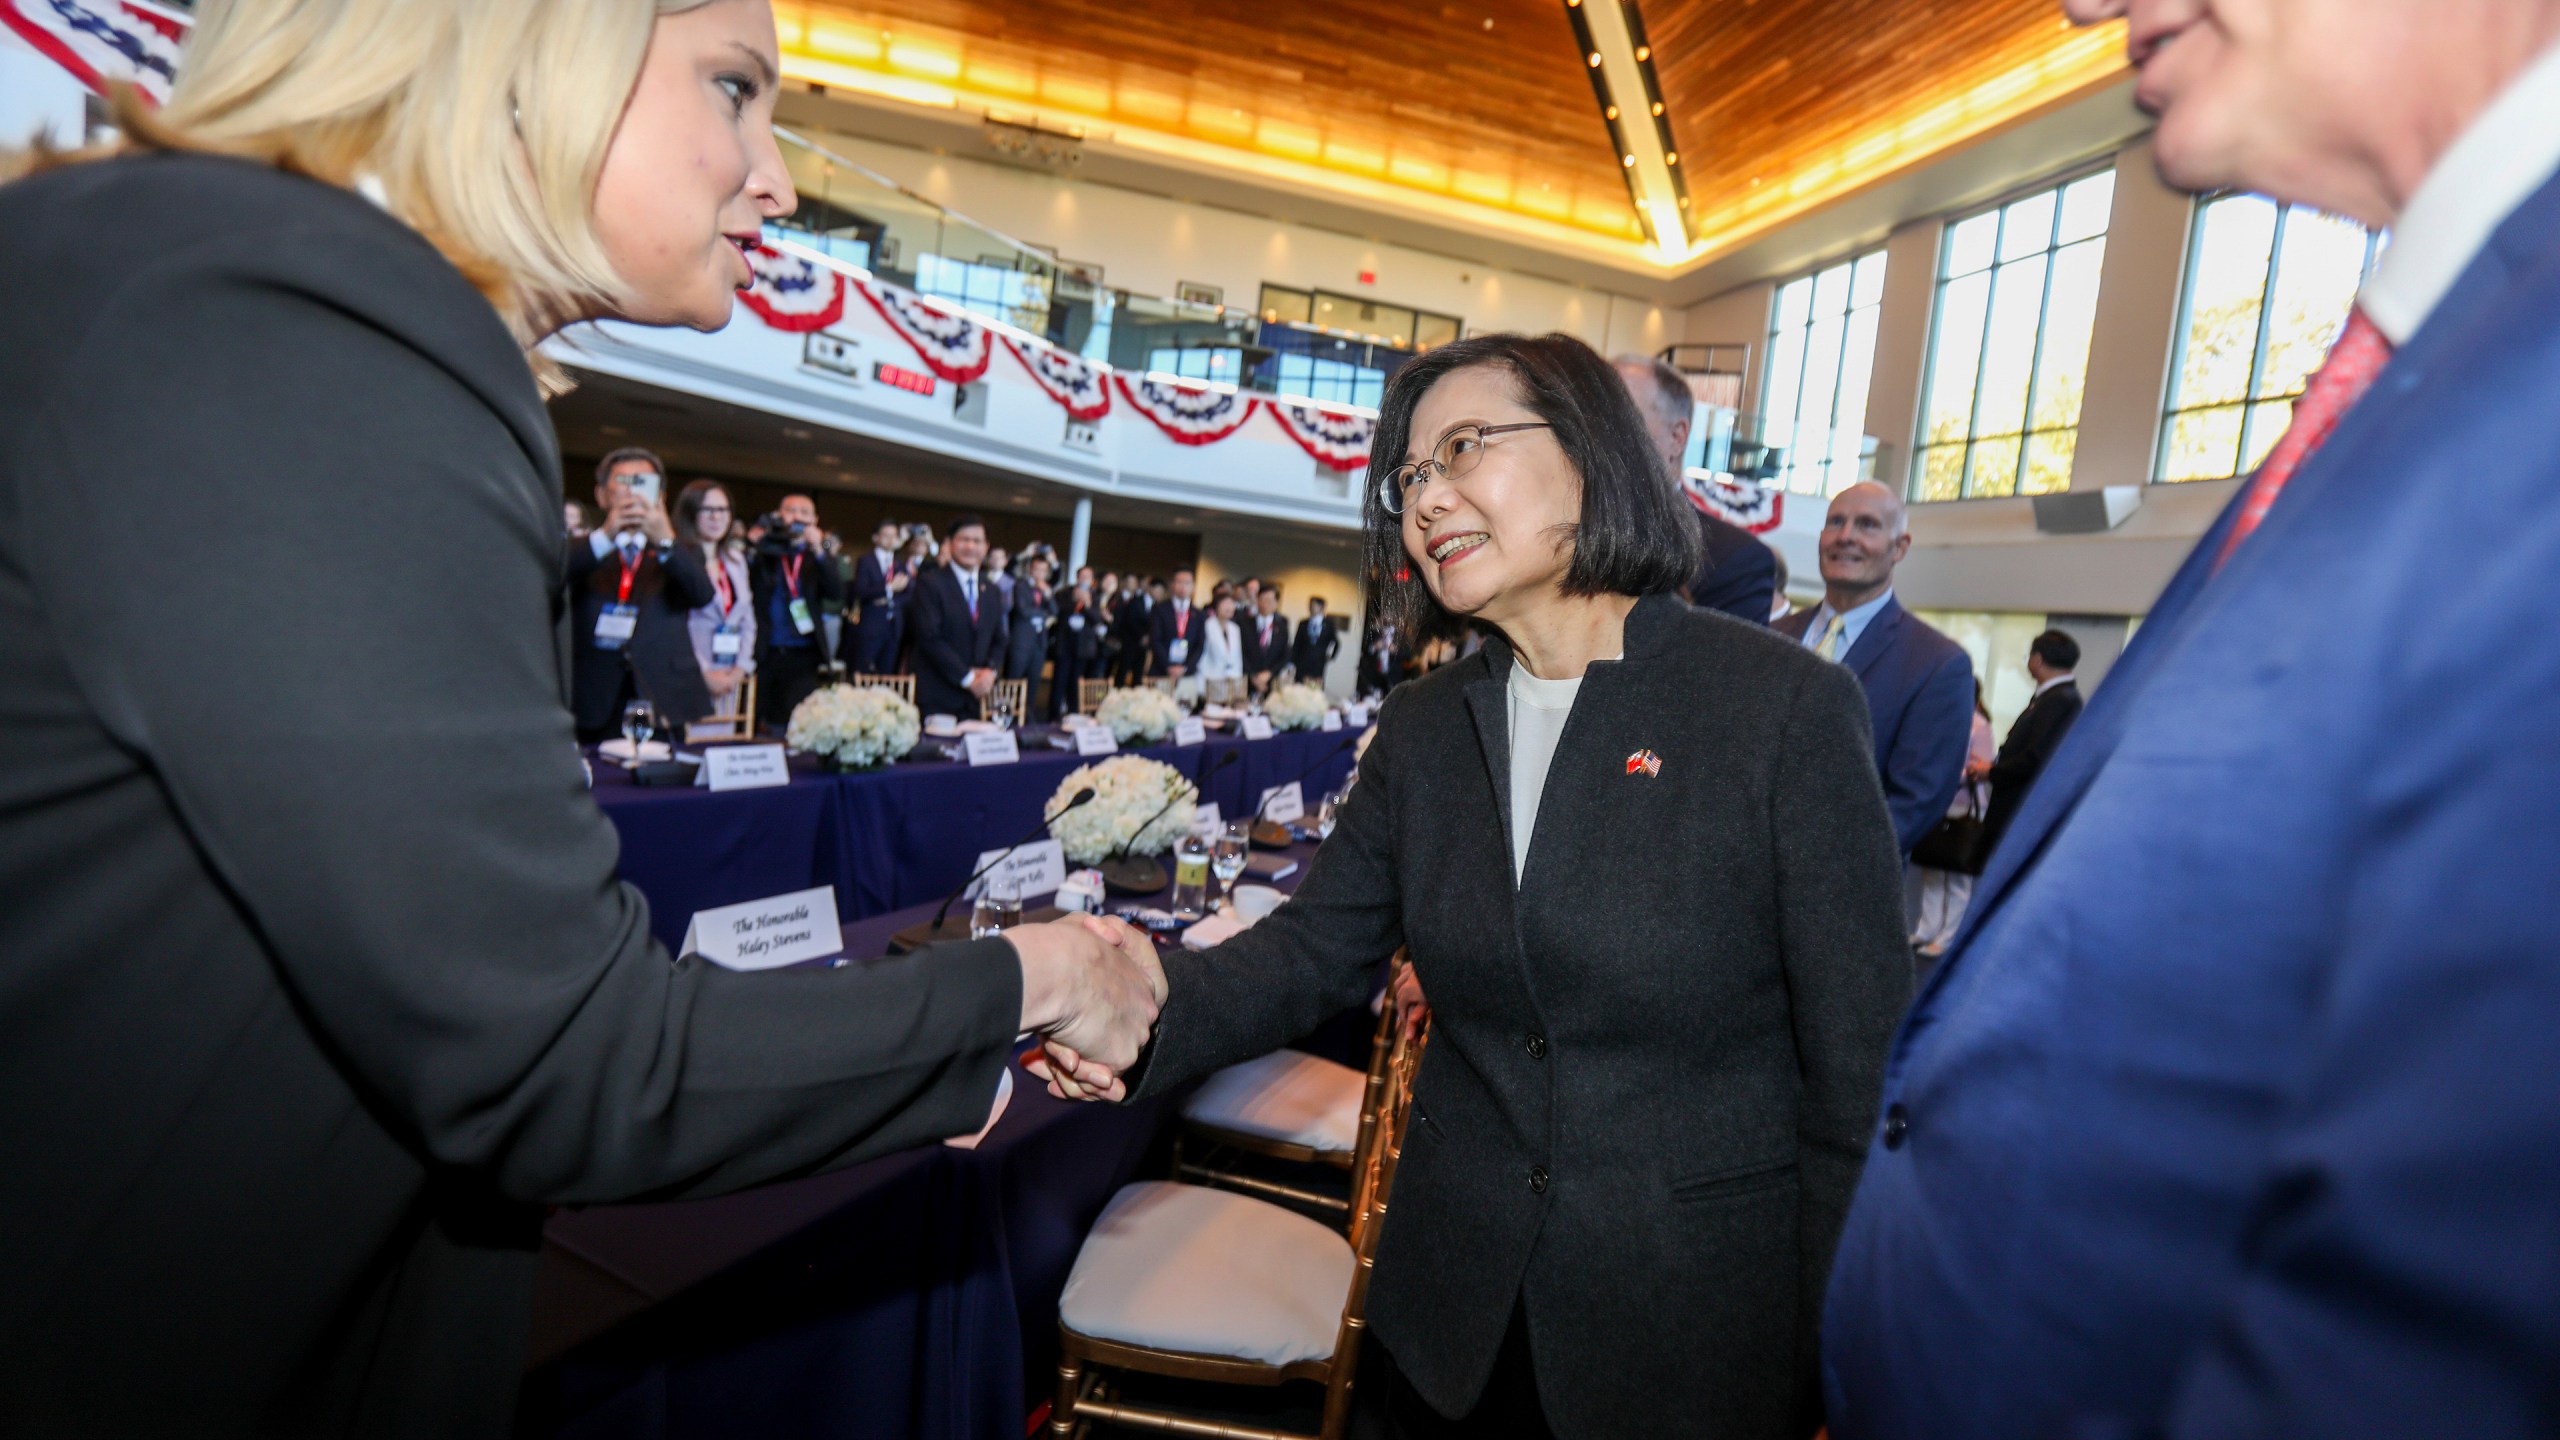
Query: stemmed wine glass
1226	861
639	722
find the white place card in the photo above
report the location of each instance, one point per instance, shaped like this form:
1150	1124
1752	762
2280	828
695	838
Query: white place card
1284	803
764	934
1206	822
1096	740
1189	731
1257	727
1332	720
743	767
991	747
1039	869
1356	715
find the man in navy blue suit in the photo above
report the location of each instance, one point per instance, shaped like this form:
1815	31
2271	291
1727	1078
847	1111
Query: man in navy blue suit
2234	1109
1739	576
1919	683
959	621
871	641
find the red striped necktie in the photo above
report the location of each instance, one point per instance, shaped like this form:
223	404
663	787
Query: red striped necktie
2350	370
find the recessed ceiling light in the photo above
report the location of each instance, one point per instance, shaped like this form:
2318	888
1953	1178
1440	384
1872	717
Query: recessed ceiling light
795	432
1019	499
613	430
829	460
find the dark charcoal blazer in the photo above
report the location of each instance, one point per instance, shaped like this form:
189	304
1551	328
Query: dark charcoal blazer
667	589
949	644
318	983
2036	734
1653	1068
1919	688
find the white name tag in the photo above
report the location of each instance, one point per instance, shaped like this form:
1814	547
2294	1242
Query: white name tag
991	747
1332	720
614	624
1189	731
1096	740
1257	727
1039	869
1206	822
765	934
1075	622
1177	652
743	767
724	647
1284	803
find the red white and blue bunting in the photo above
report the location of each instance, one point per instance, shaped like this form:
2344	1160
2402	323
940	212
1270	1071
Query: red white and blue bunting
1074	382
103	42
1756	508
951	345
1189	414
792	293
1336	440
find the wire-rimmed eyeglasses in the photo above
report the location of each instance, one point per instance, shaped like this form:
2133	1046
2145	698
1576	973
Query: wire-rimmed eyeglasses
1451	459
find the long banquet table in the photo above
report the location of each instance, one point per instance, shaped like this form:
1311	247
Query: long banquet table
891	838
913	1295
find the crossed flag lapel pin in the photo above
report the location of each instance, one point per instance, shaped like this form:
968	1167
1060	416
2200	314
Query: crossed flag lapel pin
1645	763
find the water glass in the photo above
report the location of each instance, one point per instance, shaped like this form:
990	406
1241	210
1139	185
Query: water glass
999	908
1328	811
1190	878
1228	858
639	722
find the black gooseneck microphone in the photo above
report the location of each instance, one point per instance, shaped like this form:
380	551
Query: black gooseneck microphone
1198	787
1081	797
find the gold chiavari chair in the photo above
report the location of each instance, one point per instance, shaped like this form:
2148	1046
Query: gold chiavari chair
1016	694
1158	1289
905	685
739	724
1089	695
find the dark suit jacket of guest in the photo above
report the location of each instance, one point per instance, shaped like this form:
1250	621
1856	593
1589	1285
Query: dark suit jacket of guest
1740	576
1319	639
1076	650
948	645
319	982
1919	688
2033	737
1160	637
667	587
1654	1061
872	616
1259	657
2234	1108
1033	611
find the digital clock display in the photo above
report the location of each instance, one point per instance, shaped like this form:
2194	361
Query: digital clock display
899	377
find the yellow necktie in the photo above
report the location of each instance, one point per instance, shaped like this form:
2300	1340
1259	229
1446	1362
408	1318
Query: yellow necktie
1829	649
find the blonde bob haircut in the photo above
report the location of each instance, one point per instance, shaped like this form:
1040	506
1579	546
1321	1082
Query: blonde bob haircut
481	123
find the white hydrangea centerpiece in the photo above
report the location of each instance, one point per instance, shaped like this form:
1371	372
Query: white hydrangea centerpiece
1129	790
1144	713
1295	707
854	728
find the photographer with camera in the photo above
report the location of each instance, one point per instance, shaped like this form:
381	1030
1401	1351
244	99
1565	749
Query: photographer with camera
795	583
630	590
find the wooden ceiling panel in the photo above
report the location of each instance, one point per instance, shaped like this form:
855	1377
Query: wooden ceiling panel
1486	101
1778	105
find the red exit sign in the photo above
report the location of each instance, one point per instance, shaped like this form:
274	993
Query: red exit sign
899	377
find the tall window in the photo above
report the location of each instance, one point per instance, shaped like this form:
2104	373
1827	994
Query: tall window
1822	352
2017	295
1336	380
2268	288
1017	297
1199	362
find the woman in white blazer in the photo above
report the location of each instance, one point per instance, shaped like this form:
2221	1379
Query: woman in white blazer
1222	655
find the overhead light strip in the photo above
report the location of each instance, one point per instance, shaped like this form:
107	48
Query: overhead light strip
1615	53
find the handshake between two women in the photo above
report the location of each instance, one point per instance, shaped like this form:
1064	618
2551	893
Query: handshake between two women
1091	987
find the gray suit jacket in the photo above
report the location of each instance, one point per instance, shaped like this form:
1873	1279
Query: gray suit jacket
1654	1064
318	982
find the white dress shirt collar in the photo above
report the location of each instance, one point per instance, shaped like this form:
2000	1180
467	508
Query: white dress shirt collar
2509	152
2065	678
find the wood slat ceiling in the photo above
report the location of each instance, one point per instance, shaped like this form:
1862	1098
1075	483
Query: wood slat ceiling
1485	102
1769	96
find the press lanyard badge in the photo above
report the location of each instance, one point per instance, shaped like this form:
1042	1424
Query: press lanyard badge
801	619
724	645
619	617
1177	652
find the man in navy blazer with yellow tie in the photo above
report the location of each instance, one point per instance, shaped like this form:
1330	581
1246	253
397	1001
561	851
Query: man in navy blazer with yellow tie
2234	1109
1919	683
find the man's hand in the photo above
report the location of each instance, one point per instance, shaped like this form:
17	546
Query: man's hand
897	581
981	681
1084	990
1173	671
1413	1011
654	523
628	512
720	681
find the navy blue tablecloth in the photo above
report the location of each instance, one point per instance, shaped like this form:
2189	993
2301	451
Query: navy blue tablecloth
915	1295
896	837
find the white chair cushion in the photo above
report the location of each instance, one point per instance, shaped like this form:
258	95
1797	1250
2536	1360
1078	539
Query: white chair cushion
1208	1272
1286	1095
